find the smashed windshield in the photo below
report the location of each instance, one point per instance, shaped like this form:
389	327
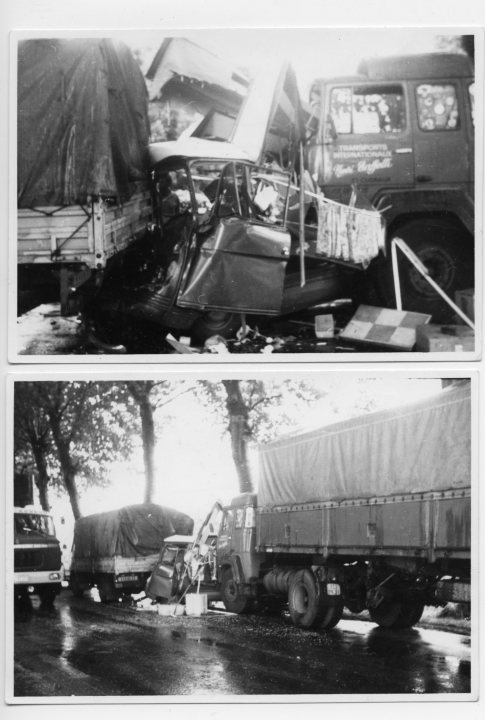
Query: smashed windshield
28	524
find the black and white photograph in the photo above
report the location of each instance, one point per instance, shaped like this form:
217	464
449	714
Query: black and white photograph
179	197
209	538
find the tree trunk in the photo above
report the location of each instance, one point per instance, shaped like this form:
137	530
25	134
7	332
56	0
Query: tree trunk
140	391
239	432
42	478
148	438
68	470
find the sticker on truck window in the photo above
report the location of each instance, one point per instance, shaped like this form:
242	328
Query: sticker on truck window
368	110
437	107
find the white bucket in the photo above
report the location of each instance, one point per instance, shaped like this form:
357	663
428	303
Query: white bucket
196	604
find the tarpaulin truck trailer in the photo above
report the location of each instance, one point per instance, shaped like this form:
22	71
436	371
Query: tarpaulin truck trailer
371	513
83	180
116	551
402	130
37	554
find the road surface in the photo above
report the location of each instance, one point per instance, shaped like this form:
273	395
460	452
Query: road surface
82	648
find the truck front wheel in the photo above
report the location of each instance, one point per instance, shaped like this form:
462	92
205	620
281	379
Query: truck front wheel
304	601
446	251
47	596
232	598
332	614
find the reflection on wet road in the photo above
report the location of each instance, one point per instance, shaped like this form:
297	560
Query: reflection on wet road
81	648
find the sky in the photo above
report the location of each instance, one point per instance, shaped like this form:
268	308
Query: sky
313	52
193	457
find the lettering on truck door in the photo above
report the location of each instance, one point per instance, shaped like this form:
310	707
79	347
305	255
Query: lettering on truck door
367	138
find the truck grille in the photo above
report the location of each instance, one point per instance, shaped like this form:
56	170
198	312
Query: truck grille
46	558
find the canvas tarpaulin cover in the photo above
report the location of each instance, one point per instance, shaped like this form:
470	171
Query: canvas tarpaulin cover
417	448
83	125
132	531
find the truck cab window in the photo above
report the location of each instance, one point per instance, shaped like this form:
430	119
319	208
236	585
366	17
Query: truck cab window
173	194
437	107
367	110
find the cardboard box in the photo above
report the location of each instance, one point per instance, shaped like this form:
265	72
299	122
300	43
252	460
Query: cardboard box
324	326
445	338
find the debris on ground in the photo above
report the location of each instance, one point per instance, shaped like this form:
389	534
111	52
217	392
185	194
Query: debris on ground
445	338
44	331
384	327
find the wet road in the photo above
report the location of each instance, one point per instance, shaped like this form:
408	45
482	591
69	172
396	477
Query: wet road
81	648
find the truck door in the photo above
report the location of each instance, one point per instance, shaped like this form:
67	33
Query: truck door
441	146
242	253
366	138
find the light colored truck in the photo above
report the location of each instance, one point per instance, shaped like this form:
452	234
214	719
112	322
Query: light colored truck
37	555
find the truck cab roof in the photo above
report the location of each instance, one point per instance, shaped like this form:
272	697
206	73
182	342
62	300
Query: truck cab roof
192	147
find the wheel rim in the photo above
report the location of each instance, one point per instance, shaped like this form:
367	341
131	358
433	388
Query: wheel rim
300	599
441	269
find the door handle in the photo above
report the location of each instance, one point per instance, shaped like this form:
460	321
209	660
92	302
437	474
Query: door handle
423	178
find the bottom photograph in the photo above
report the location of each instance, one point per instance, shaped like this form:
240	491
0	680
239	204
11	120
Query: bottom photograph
201	538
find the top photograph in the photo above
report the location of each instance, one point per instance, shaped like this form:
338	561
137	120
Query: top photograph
222	195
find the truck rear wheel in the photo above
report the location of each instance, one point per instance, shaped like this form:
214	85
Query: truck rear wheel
232	598
446	250
397	613
304	601
106	589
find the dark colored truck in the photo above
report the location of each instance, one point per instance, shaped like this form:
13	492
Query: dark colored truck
116	551
370	513
402	130
83	186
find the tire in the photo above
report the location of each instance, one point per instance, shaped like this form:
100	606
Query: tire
331	616
215	322
47	596
397	614
446	250
304	602
410	614
106	589
75	586
387	614
231	595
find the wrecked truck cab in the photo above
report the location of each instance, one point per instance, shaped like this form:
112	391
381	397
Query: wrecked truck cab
227	244
188	563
